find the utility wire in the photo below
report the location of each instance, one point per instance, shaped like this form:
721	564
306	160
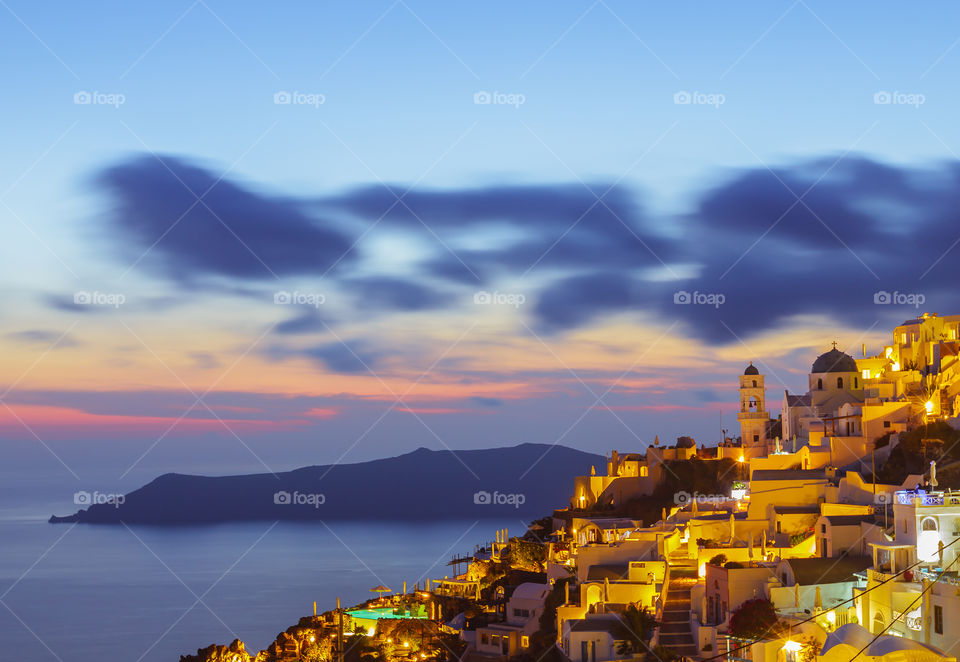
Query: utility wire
839	604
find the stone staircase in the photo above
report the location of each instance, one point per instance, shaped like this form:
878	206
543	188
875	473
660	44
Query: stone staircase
675	624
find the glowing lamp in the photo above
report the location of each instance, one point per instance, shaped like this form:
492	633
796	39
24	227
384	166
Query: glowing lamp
791	646
371	632
929	406
740	459
832	617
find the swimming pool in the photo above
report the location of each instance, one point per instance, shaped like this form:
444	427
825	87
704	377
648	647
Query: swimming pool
376	613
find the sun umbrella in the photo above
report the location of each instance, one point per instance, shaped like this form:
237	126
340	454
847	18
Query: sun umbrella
380	590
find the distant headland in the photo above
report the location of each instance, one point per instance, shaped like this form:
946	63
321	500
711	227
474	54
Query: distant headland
514	481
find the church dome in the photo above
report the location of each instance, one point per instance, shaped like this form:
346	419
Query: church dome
751	370
834	361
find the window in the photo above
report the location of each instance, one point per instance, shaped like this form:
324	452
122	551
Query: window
839	382
754	383
525	641
886	424
855	383
778	526
819	384
484	639
823	528
521	613
938	619
756	437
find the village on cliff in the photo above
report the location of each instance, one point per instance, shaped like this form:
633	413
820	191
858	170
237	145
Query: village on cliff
828	534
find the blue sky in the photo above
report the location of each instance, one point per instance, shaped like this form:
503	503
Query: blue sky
855	102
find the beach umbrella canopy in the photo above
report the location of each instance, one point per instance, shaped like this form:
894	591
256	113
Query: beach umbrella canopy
380	590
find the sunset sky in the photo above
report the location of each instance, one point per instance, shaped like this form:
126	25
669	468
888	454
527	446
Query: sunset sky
482	215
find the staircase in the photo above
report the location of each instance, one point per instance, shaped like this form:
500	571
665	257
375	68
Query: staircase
675	624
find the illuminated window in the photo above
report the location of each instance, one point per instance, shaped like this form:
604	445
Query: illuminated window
938	619
525	641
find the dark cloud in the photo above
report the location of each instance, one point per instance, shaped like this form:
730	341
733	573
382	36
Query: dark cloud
232	232
559	225
310	321
339	357
485	401
43	337
865	227
862	227
386	293
575	301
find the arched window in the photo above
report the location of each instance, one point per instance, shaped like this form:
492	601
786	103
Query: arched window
877	623
754	383
839	382
819	384
928	524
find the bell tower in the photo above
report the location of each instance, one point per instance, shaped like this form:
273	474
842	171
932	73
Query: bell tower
753	415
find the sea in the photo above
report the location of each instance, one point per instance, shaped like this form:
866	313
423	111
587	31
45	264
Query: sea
106	593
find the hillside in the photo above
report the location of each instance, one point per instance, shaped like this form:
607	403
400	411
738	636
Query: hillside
423	484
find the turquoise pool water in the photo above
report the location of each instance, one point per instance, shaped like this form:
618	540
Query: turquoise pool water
377	613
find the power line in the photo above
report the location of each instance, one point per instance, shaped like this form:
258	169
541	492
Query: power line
839	604
908	610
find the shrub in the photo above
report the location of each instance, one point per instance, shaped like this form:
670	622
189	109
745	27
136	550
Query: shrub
754	619
719	559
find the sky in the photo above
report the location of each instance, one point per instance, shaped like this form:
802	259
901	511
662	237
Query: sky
248	237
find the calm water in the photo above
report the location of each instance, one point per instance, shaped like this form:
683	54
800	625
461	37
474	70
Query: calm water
96	594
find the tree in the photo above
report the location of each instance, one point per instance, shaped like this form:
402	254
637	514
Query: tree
641	625
719	559
755	619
